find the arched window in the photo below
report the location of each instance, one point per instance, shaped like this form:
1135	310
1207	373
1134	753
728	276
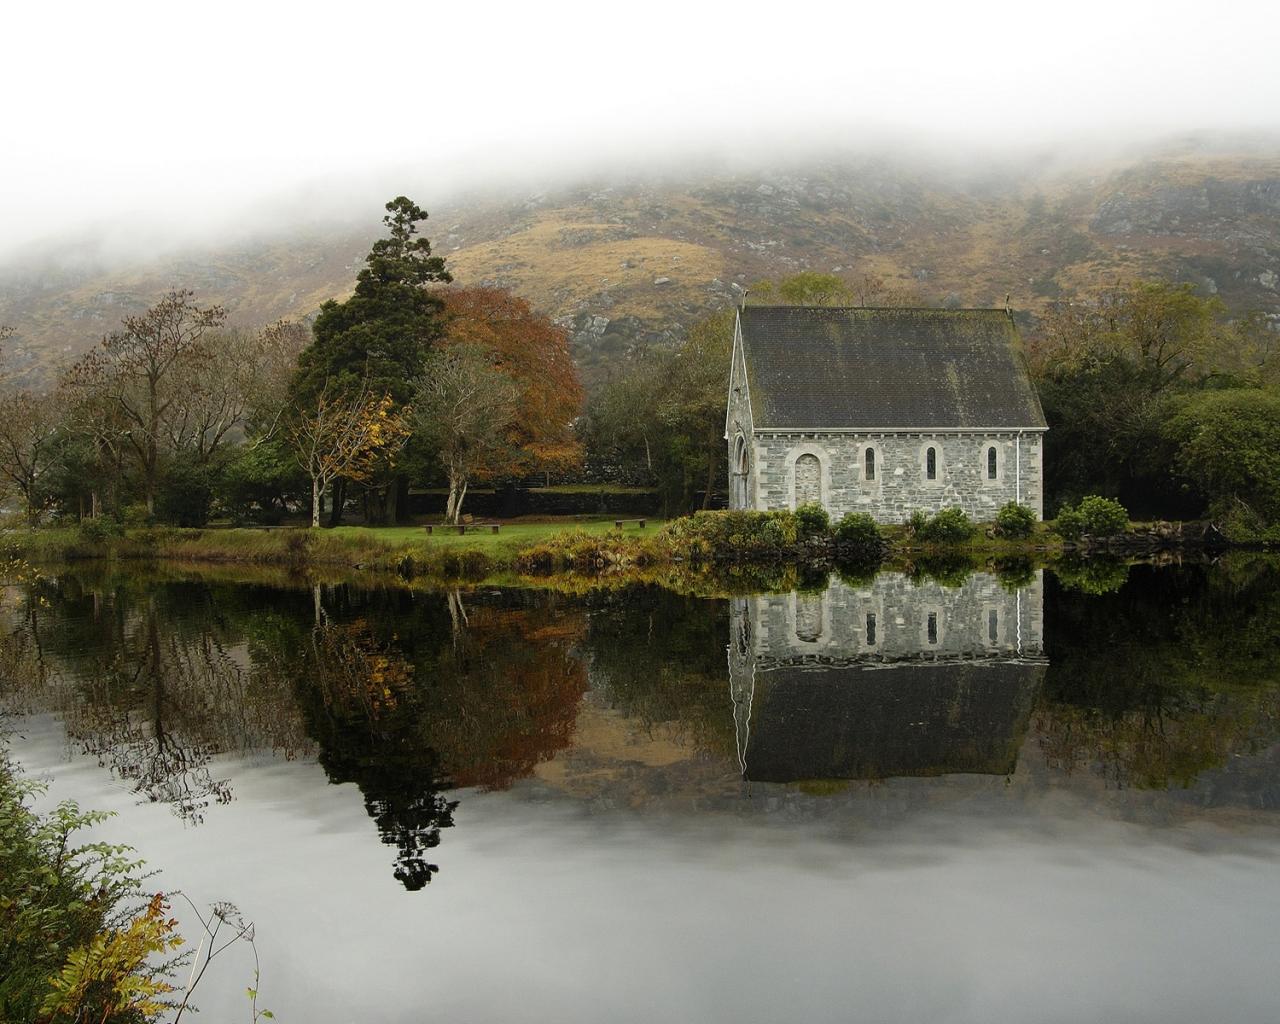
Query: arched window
993	463
993	625
931	629
808	480
870	462
741	471
871	629
931	464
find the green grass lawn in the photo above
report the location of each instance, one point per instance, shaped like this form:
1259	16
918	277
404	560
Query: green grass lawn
517	533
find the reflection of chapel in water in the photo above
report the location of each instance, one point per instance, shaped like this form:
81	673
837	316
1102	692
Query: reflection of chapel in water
889	678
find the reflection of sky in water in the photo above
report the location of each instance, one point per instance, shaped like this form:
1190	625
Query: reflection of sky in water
553	911
946	848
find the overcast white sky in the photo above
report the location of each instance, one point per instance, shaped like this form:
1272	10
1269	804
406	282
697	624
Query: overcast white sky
172	116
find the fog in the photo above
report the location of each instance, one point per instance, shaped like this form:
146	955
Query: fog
137	126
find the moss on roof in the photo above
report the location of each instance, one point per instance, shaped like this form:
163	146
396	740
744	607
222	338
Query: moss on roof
885	369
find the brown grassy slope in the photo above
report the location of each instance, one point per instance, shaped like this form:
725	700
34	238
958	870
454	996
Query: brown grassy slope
632	263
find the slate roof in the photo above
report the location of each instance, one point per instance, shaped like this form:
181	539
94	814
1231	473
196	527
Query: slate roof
859	722
891	369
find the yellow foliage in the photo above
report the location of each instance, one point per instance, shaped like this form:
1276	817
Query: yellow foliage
112	974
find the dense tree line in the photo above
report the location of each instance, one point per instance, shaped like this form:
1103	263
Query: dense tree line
176	417
1155	395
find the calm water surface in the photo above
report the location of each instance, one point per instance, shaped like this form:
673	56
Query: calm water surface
940	798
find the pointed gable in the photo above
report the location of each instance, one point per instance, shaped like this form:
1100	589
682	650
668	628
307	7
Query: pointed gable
813	368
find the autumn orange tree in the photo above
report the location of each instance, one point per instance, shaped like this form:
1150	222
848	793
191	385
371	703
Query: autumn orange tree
534	353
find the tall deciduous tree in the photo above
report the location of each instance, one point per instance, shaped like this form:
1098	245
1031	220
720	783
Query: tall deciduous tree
28	427
137	369
663	421
464	407
534	353
1106	370
693	400
342	434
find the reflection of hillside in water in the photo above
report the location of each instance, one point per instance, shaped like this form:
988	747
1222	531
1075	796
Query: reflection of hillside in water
885	679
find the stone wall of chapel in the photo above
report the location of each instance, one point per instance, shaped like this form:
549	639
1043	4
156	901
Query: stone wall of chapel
901	485
979	619
742	494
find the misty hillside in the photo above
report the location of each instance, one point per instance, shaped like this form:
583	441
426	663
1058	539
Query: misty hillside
631	263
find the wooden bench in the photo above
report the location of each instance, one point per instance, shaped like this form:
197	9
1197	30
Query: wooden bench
463	527
617	523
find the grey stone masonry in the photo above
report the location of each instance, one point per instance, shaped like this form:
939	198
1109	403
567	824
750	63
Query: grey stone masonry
893	618
890	475
885	679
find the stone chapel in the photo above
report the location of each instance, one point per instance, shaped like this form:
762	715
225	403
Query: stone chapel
883	411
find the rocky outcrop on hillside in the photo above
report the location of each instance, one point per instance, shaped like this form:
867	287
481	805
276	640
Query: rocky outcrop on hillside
629	264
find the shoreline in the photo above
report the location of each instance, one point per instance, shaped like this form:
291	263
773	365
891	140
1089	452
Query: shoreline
581	556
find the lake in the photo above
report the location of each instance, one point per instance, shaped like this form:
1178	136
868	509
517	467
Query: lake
947	796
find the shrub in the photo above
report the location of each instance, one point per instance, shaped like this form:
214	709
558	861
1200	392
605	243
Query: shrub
1095	516
100	530
1103	517
918	521
1014	520
185	495
949	526
727	536
82	941
1069	524
858	532
135	514
812	520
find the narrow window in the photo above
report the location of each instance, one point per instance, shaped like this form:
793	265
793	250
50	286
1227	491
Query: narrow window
809	618
871	463
871	629
931	464
933	627
991	463
993	625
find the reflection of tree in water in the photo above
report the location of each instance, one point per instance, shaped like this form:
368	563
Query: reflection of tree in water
1164	680
154	686
365	713
410	697
659	658
505	691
